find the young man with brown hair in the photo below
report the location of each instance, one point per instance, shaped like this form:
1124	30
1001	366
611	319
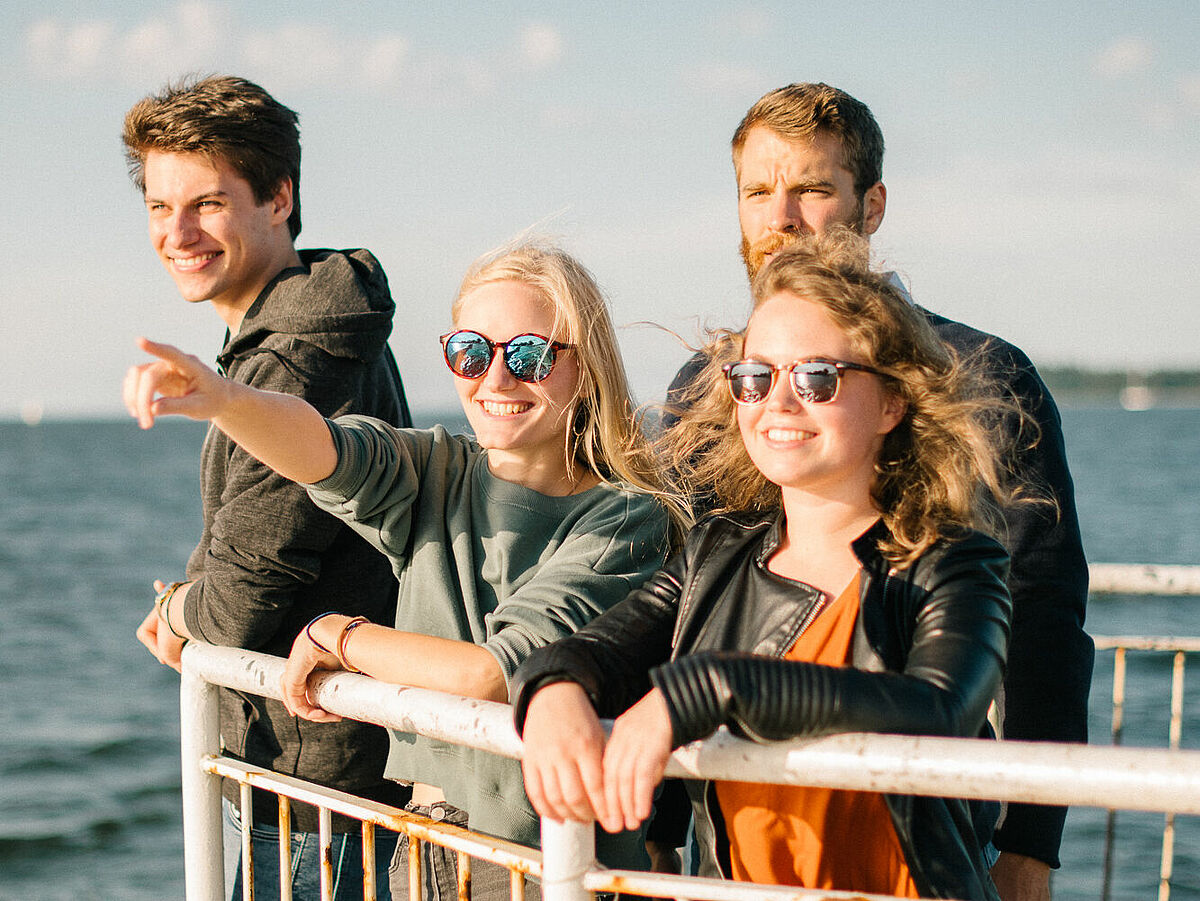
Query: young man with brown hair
810	156
218	163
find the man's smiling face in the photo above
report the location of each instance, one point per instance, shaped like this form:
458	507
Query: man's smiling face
217	242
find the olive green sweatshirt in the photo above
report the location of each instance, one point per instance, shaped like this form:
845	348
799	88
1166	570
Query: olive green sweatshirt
483	560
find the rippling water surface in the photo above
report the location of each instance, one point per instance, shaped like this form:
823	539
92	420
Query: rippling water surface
92	513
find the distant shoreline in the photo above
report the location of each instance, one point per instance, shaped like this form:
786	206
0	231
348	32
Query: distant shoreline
1168	389
1172	389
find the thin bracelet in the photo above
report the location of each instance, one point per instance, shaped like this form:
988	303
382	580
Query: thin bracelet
341	643
164	611
308	630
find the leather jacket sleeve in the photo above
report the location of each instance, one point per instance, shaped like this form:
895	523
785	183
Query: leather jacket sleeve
950	617
610	658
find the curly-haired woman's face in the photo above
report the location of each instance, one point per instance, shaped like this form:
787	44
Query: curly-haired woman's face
827	449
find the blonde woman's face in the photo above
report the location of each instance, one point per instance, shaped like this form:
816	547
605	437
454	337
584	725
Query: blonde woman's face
825	449
522	425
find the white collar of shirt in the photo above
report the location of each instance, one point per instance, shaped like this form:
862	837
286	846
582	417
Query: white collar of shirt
894	280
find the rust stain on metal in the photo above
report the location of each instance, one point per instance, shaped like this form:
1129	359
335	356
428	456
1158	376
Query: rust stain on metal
464	876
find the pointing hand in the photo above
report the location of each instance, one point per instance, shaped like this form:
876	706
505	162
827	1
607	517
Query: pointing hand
174	384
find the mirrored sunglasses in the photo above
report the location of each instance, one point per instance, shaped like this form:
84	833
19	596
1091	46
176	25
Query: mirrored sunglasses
530	358
815	381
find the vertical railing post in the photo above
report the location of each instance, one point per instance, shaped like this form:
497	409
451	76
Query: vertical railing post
568	852
1173	738
1118	733
203	856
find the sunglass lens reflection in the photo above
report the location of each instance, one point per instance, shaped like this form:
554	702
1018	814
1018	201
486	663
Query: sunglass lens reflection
468	355
751	383
529	358
815	383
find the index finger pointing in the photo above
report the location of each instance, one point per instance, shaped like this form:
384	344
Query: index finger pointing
167	352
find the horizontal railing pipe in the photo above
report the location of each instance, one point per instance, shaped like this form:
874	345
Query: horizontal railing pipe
1143	578
1031	772
466	721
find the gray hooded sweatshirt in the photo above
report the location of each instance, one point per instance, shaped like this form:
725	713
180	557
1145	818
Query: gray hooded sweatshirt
268	560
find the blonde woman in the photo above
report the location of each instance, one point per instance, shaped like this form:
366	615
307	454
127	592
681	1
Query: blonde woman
502	543
845	587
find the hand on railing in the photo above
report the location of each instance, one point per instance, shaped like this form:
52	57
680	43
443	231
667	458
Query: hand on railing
563	754
306	658
572	774
635	759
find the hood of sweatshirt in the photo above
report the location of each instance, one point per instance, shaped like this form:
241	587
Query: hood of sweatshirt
337	300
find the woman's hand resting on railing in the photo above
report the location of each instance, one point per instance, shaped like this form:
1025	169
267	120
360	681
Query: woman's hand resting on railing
305	659
636	758
571	774
563	756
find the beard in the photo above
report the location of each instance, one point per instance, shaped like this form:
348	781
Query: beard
755	255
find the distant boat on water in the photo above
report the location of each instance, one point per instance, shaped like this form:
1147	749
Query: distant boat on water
32	412
1136	395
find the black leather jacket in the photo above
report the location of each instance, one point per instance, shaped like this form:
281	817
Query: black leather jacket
1050	656
928	656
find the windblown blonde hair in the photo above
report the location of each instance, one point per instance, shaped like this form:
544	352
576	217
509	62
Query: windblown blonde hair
605	435
945	465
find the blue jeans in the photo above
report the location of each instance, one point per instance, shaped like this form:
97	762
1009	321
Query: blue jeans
346	850
439	866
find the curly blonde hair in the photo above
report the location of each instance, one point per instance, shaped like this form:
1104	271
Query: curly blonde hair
943	468
605	436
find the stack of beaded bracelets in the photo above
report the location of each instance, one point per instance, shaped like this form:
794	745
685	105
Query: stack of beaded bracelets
164	612
340	644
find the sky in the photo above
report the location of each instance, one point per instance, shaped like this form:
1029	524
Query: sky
1043	165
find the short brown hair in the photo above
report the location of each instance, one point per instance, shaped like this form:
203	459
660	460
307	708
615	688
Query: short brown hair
223	117
799	111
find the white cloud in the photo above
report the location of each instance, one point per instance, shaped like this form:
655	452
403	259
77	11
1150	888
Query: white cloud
1126	56
380	64
41	40
203	21
148	44
542	45
183	37
206	36
69	48
297	54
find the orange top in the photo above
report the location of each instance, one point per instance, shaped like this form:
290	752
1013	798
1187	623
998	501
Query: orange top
819	838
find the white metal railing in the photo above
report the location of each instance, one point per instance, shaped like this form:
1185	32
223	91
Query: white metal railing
1125	778
1143	578
1151	579
1115	778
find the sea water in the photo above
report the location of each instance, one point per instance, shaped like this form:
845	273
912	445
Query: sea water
91	513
